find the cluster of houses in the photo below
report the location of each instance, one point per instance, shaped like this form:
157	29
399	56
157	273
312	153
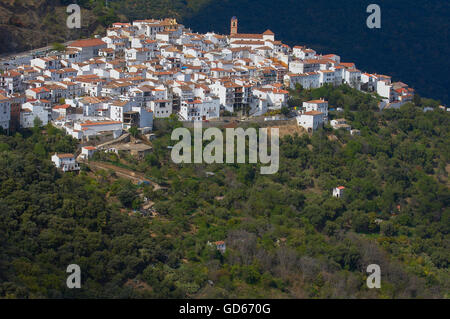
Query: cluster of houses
152	69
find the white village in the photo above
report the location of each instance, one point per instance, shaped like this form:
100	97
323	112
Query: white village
151	69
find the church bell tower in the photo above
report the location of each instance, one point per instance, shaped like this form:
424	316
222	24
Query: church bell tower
233	26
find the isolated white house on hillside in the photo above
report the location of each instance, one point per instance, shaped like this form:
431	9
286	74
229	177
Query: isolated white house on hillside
65	162
338	191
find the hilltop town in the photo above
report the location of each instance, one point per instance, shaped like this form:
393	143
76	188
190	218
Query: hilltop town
151	69
370	187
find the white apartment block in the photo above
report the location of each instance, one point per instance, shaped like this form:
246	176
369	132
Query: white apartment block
5	112
316	105
200	110
161	108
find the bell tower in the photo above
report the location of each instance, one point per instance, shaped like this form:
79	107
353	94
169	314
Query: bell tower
233	26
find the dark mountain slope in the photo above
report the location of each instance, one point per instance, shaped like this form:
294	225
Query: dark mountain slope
412	44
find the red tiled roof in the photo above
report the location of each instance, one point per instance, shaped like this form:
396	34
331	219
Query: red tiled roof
62	106
67	155
87	43
313	113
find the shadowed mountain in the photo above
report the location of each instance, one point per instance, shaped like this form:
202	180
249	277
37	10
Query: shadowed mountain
412	44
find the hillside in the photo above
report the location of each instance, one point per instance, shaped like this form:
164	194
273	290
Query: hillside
30	24
286	235
27	24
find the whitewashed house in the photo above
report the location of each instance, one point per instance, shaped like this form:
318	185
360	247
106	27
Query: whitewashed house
316	105
338	191
88	151
5	112
65	162
311	120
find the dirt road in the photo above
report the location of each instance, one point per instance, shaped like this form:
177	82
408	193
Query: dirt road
135	177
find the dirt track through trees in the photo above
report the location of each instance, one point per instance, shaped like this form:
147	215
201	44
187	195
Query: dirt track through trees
123	172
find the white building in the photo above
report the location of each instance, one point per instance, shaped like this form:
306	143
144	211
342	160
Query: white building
386	90
92	128
65	162
11	82
309	80
31	111
161	108
5	112
200	110
302	52
311	120
353	78
88	151
338	191
316	105
88	48
340	124
118	108
275	98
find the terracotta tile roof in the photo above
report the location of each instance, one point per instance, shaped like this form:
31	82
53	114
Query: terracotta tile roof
313	113
87	43
67	155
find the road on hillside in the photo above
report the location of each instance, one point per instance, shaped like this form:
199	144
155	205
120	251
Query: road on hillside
29	52
123	172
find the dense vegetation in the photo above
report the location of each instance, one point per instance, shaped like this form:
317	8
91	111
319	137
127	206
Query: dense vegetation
286	235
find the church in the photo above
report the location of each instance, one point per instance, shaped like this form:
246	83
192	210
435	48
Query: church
249	39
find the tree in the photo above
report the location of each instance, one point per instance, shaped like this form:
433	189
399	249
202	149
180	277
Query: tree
387	228
126	196
39	149
417	99
37	123
56	46
133	131
285	111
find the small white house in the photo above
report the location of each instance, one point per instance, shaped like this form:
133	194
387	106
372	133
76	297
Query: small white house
311	120
88	151
338	191
65	162
220	245
340	123
316	105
